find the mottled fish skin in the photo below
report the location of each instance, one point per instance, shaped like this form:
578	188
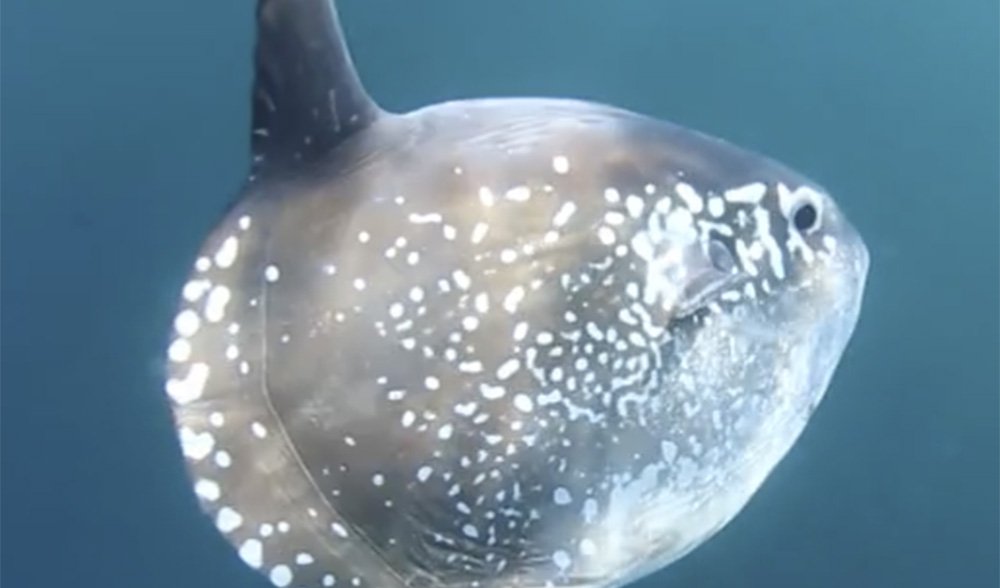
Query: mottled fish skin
505	344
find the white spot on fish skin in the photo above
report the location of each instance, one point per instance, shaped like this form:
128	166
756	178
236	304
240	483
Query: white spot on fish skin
396	310
830	242
258	430
662	205
748	194
359	284
589	510
207	489
775	256
730	295
471	367
470	531
523	402
226	254
187	323
179	351
716	206
216	419
612	196
251	552
466	409
424	473
681	223
587	548
449	232
416	294
244	222
195	289
746	258
432	383
513	299
378	480
329	580
562	215
482	302
228	520
444	433
691	198
304	559
203	264
339	529
606	235
613	217
560	164
215	305
462	279
562	559
518	194
271	273
479	232
486	196
420	219
642	246
364	236
668	451
408	419
561	496
492	392
508	368
223	459
281	576
520	331
191	387
634	205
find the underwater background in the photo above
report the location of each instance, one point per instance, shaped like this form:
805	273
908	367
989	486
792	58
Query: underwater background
125	133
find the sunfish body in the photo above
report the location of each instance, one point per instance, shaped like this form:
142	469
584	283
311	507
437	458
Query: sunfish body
494	343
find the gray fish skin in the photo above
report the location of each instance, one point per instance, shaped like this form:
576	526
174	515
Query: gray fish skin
496	343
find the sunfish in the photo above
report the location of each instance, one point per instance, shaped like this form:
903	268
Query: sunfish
496	343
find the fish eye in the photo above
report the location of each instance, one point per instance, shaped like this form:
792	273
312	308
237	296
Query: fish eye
805	217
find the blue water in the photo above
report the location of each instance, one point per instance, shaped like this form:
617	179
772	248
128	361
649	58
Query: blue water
124	133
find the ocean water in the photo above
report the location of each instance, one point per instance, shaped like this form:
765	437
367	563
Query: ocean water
124	135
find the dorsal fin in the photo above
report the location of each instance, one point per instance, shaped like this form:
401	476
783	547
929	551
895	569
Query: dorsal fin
307	96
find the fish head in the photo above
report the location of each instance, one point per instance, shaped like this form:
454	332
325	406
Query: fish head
753	278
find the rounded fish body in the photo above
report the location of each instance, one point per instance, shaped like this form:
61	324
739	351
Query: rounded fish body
505	343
